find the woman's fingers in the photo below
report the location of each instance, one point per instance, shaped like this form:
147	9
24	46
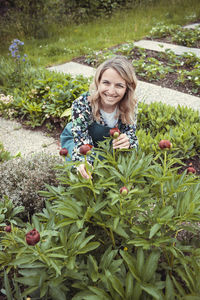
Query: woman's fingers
121	142
82	170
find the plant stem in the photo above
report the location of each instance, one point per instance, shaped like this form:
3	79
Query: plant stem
112	237
114	154
90	180
164	172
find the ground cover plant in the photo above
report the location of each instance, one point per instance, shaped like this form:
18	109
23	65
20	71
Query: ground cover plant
176	34
95	241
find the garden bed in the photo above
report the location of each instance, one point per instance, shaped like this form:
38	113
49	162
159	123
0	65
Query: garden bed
166	69
156	68
158	74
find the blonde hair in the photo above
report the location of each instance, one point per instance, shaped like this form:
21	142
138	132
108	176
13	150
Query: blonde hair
128	103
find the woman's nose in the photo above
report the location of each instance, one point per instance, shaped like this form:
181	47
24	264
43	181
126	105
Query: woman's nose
112	89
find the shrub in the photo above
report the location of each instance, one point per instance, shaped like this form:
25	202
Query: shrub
22	178
97	243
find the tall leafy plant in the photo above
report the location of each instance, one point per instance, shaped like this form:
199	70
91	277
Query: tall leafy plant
142	244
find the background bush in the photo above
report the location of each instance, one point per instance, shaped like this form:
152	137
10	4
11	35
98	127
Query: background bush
22	178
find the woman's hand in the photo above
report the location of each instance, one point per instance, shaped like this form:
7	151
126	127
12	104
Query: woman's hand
82	170
122	142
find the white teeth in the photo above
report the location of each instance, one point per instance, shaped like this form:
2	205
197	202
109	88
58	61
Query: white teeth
110	97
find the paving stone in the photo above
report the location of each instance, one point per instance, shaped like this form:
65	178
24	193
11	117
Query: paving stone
148	93
74	69
192	26
161	47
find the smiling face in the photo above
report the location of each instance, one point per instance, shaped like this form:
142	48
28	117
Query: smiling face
112	88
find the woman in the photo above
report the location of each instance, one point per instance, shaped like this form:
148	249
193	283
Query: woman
110	103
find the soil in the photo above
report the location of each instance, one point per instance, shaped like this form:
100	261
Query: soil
191	162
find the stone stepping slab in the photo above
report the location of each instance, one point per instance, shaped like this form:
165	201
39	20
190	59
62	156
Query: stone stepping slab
192	26
146	92
74	69
161	47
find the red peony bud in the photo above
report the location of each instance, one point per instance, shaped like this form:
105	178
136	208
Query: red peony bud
123	191
63	152
165	144
191	170
32	237
115	132
8	228
85	149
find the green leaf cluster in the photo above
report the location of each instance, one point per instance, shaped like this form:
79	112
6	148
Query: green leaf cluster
159	121
182	36
46	98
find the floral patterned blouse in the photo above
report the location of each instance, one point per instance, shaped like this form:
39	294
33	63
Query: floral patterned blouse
82	118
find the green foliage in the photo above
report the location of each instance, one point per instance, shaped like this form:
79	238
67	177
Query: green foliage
8	213
96	243
39	95
4	155
36	18
45	97
188	38
161	30
180	125
151	68
181	36
11	77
